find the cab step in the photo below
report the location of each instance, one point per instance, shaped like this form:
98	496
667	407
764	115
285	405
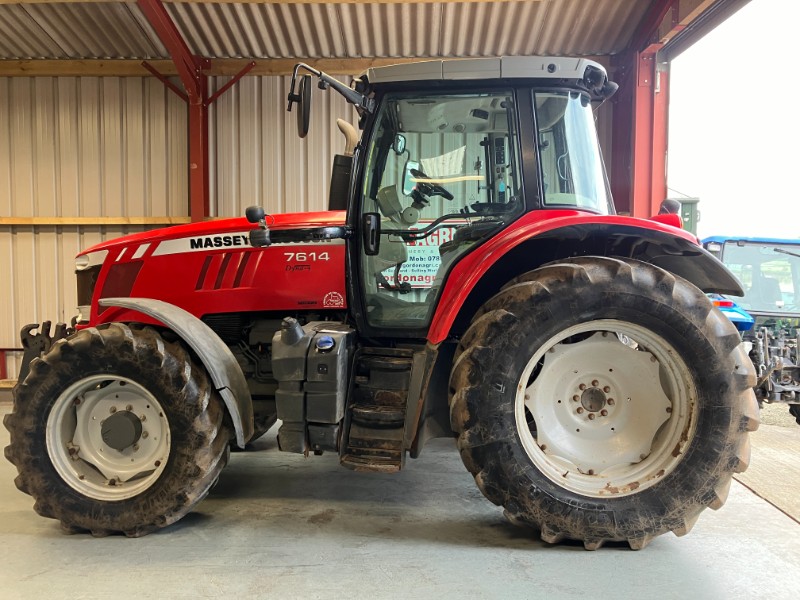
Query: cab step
376	413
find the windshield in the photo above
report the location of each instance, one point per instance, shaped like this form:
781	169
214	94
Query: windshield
572	168
770	275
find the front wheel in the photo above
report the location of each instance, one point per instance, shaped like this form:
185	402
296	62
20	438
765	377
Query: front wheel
603	400
116	430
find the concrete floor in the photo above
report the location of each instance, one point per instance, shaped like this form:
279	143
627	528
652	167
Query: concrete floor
284	526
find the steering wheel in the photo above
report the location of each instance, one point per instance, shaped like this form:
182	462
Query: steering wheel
429	189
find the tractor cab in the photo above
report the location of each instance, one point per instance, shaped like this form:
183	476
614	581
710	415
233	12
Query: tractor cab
451	153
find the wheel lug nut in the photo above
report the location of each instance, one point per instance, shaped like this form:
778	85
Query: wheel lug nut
610	402
595	383
669	409
603	412
582	386
129	408
136	447
580	409
145	435
112	410
143	418
591	416
606	389
575	398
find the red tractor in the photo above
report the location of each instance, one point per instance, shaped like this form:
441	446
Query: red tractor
479	285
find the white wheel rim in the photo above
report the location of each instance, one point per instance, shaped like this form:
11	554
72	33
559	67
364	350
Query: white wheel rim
108	437
612	413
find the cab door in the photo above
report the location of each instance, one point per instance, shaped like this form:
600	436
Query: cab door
442	174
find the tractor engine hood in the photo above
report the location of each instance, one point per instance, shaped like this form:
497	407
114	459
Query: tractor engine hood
210	268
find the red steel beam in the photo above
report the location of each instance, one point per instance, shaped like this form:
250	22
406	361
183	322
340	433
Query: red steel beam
649	156
190	69
639	145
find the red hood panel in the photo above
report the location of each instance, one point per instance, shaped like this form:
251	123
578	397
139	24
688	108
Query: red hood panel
210	268
224	226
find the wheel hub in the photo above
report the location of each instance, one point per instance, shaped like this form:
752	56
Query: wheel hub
121	430
108	437
593	399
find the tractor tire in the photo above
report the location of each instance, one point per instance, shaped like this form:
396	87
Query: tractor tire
599	399
794	410
116	431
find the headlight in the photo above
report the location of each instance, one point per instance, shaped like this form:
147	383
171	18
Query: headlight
84	261
87	268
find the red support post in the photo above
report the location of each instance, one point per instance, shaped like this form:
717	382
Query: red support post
639	146
649	137
190	69
198	155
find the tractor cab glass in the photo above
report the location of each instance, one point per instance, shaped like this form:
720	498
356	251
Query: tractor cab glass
571	167
443	174
770	275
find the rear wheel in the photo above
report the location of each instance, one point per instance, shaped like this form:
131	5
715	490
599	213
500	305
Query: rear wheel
116	430
603	400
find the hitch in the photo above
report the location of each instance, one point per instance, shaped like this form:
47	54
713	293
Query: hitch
36	344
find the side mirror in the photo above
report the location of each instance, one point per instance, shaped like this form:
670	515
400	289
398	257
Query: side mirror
399	145
304	106
408	182
371	232
254	214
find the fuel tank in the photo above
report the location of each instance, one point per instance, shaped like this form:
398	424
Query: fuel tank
210	268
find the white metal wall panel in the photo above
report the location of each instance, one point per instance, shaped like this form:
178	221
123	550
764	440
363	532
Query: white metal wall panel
256	155
91	147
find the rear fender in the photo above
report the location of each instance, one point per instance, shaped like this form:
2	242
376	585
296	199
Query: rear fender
524	247
216	357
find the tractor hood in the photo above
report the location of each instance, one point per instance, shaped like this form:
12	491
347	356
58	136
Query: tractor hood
222	227
209	268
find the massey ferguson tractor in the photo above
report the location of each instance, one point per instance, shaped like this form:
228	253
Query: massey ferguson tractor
478	285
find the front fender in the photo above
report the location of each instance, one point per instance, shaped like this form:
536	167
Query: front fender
216	357
544	236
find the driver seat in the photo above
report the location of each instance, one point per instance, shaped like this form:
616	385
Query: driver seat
767	292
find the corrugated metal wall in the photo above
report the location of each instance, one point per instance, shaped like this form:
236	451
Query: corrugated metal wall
256	155
91	147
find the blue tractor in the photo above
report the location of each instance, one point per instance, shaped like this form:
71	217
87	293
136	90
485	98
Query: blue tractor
768	315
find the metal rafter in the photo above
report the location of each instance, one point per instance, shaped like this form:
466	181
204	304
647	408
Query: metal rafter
218	67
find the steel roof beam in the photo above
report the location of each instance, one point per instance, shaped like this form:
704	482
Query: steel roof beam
217	67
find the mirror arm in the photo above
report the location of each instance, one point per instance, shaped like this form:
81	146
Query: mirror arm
325	80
